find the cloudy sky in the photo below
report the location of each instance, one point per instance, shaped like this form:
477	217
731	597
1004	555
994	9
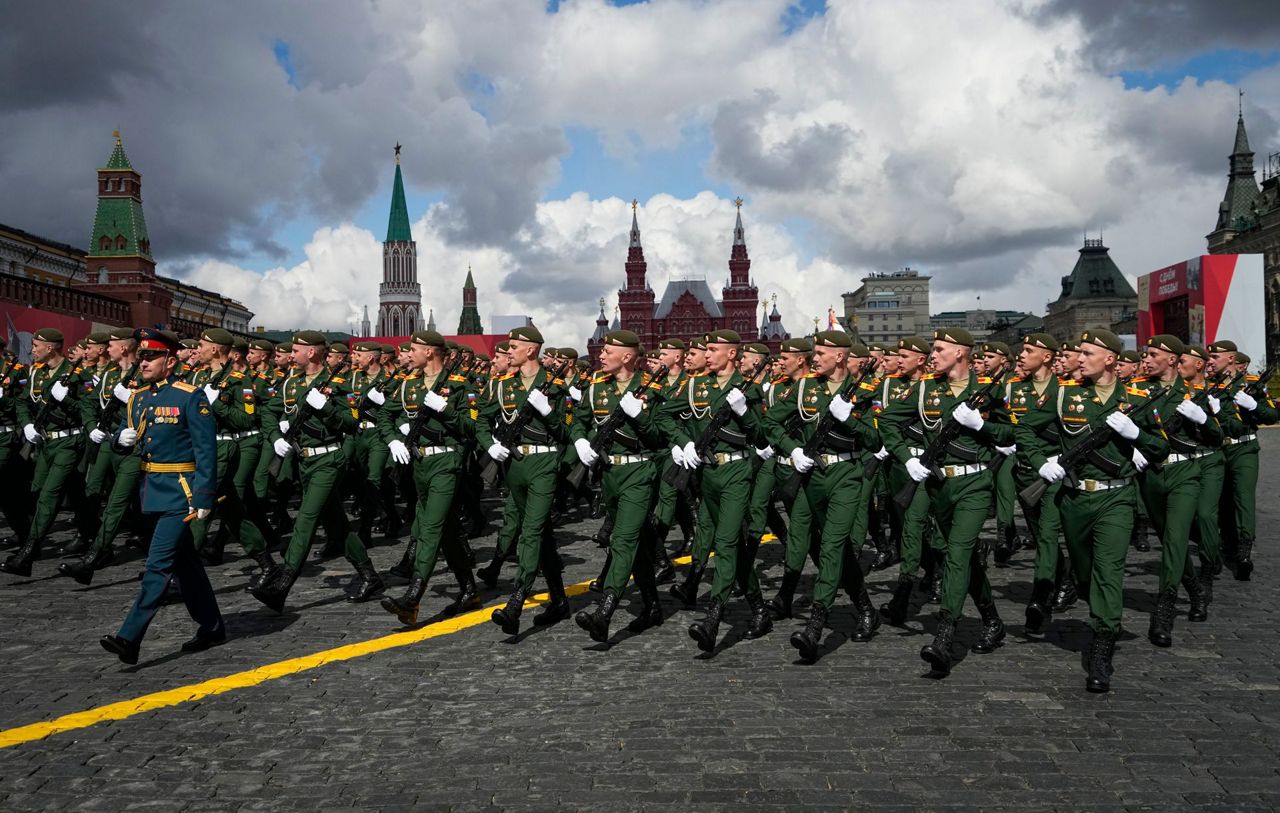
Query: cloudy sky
975	141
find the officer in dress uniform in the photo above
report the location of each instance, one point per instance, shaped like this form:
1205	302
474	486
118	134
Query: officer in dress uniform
172	423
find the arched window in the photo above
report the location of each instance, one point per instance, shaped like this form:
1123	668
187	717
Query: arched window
120	242
104	244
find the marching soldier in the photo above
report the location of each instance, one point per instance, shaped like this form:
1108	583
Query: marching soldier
366	450
509	531
995	364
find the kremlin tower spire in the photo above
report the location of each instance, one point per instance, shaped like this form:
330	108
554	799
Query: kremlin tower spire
399	295
469	320
635	302
740	296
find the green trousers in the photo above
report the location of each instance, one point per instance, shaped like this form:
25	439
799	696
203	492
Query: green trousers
915	520
367	458
321	505
726	490
56	462
231	511
1172	495
435	523
531	482
761	498
126	477
1205	530
1238	503
1006	491
802	537
1044	522
13	501
960	505
629	492
1097	527
835	498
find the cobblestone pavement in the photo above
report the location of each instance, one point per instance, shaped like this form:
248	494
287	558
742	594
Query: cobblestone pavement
474	719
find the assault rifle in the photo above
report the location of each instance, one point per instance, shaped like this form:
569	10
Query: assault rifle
1200	399
110	417
677	475
1257	390
424	414
385	388
812	447
299	418
1095	438
29	448
508	434
606	430
949	432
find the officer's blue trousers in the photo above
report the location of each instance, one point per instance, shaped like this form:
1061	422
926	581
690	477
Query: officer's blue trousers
172	554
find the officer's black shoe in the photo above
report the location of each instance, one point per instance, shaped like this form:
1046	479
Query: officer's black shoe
1004	547
1244	559
268	569
274	592
938	653
126	651
19	564
1199	609
597	623
1160	632
76	547
489	573
705	630
780	605
868	620
761	618
808	640
895	609
687	591
366	584
404	568
992	631
405	608
1040	607
83	569
468	598
204	640
1066	596
1100	653
508	615
650	614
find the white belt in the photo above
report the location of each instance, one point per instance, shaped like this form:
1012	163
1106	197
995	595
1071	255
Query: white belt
4	429
237	435
316	451
828	459
526	450
625	459
365	425
962	471
62	433
914	451
427	451
1101	485
728	457
1182	458
1225	441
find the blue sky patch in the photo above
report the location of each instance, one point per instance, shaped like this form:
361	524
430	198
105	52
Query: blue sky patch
280	49
1224	64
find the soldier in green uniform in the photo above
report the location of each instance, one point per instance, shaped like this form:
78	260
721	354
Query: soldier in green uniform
171	422
833	494
315	399
862	364
275	495
510	527
432	442
885	532
672	506
996	357
1129	367
49	413
961	497
1171	494
630	476
1096	503
531	473
1204	530
366	449
13	502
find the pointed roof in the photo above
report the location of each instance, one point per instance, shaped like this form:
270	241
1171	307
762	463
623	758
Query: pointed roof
602	326
1236	210
398	222
1096	275
739	234
118	159
1242	138
697	288
470	283
617	325
431	319
635	226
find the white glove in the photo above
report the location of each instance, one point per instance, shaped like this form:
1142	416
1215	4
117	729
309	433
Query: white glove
882	454
1	392
399	452
282	448
1214	404
284	427
1123	425
316	399
58	391
736	401
1052	471
127	437
766	386
586	454
575	394
122	393
765	453
1007	450
499	452
800	460
677	457
631	405
539	402
30	433
1244	399
376	397
96	435
404	429
840	408
691	458
1192	412
968	417
917	470
435	402
1139	460
203	513
211	392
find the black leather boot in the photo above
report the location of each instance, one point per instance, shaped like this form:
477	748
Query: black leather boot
268	569
868	620
82	569
602	536
992	631
651	613
1160	632
76	547
780	605
597	584
508	615
489	573
405	608
808	640
705	630
1199	609
1004	547
366	584
1244	558
938	652
1100	653
895	609
761	618
887	553
19	563
597	623
468	596
404	568
274	592
1138	537
557	608
1207	575
1067	594
1040	607
666	570
687	591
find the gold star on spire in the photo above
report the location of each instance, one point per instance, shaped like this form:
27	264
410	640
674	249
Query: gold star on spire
116	134
738	202
634	204
397	152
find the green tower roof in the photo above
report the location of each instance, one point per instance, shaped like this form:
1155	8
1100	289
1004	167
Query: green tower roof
470	283
118	159
119	227
398	223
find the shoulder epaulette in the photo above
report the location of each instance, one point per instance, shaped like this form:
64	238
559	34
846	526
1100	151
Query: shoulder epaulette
810	375
600	378
78	370
336	380
457	378
1017	379
1196	386
235	374
982	379
868	387
1138	379
1252	377
184	386
506	376
1135	391
929	377
1068	382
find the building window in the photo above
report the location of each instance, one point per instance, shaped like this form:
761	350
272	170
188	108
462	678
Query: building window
104	244
120	242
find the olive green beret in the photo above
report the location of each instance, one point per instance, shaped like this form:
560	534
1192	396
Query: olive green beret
528	333
699	343
502	347
218	336
652	354
622	338
879	347
1102	338
339	348
48	334
833	338
285	347
262	344
1042	340
1243	358
568	352
670	344
1167	342
954	335
1222	346
389	349
121	334
758	348
189	344
428	338
240	345
1070	346
369	346
858	350
916	344
724	336
999	348
797	346
405	346
310	338
1131	356
98	337
1197	351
